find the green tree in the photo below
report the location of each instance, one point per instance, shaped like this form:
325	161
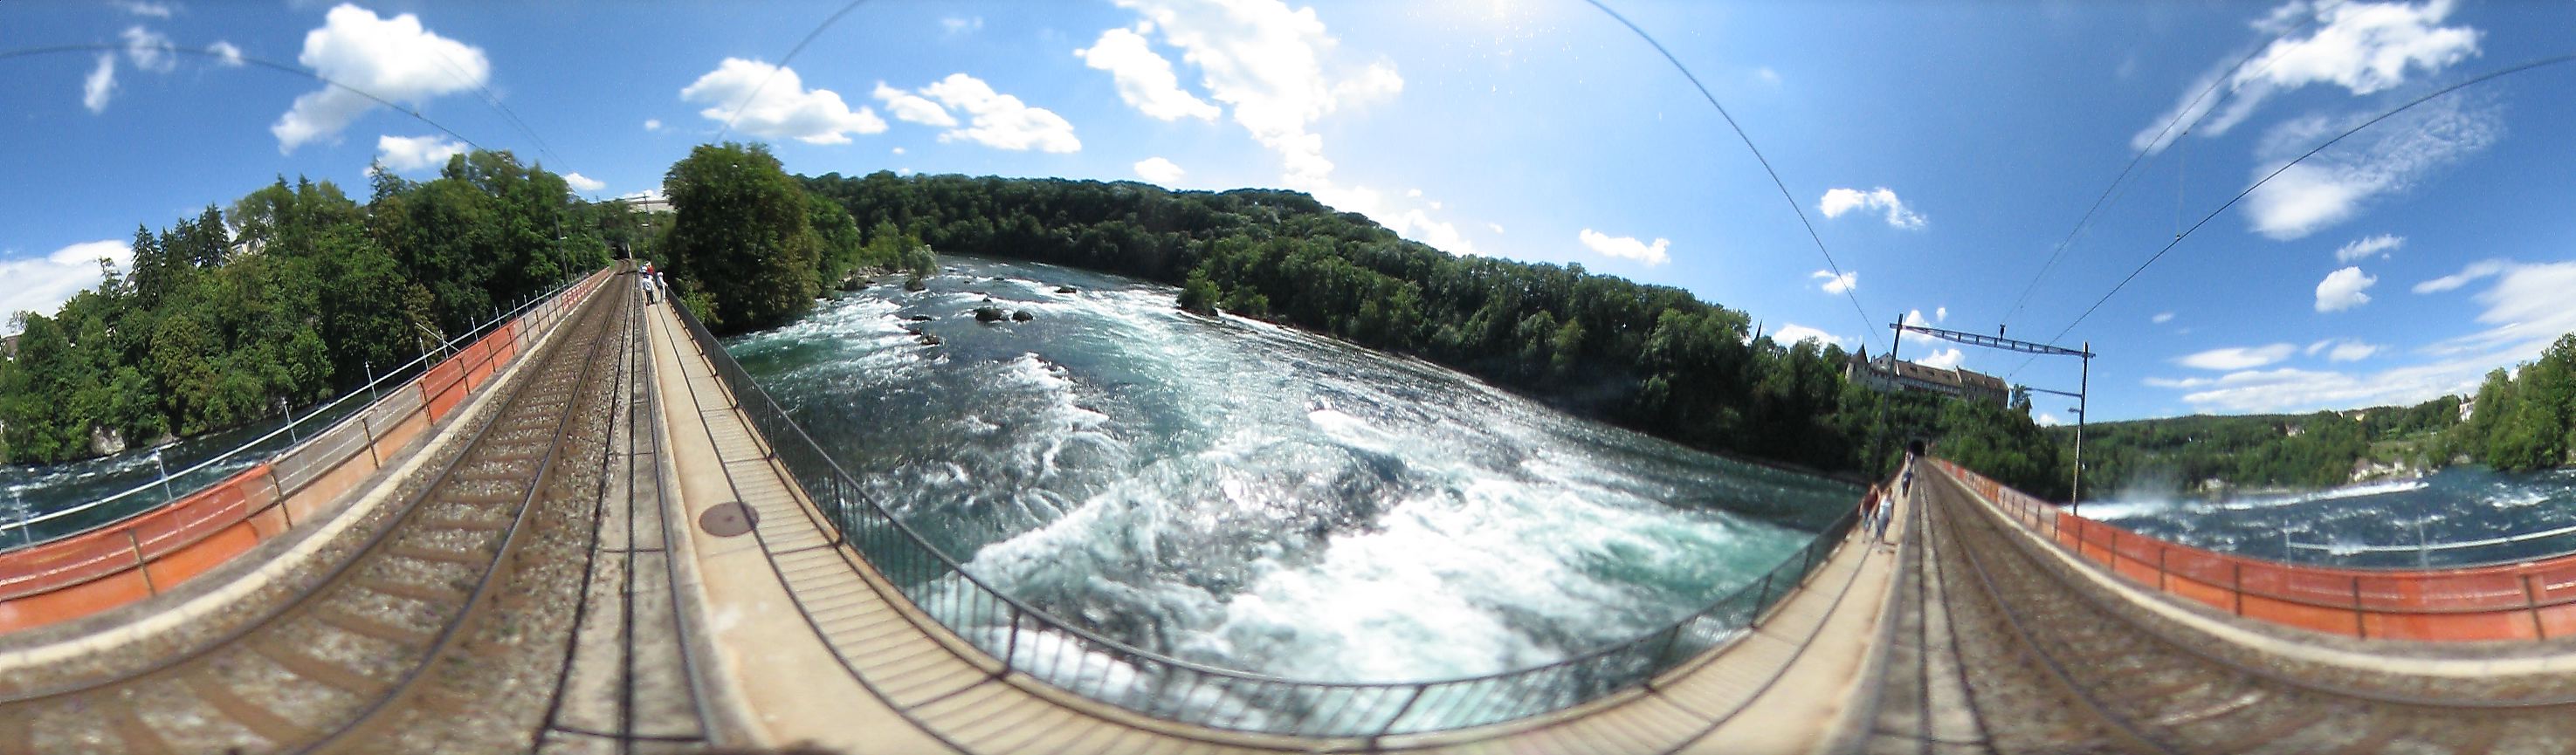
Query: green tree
742	235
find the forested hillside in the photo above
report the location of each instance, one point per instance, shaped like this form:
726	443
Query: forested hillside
2522	419
292	294
2184	454
1653	358
2525	420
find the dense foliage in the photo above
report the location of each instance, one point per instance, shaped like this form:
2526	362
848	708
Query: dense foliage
2526	420
295	293
1653	358
2204	453
2521	420
750	248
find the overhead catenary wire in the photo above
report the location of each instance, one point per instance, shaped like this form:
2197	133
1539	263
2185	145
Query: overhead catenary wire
2312	152
2119	182
792	52
235	55
1867	324
495	102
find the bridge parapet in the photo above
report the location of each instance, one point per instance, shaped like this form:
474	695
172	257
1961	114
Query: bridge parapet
147	552
2532	600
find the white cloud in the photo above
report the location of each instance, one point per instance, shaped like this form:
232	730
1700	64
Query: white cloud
149	10
961	25
1835	284
1940	314
2475	270
42	284
1839	201
1791	333
394	59
2363	247
149	50
225	53
1145	79
2390	157
2525	310
913	108
898	150
1625	247
404	154
2237	357
652	124
1277	72
2295	390
1942	359
2363	47
2162	318
1158	170
1766	76
784	109
99	84
1496	227
2351	351
999	120
2049	420
582	183
2342	290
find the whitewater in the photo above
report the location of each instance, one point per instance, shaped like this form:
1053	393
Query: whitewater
1260	498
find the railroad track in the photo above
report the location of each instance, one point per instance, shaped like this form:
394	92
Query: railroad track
332	667
628	682
2053	665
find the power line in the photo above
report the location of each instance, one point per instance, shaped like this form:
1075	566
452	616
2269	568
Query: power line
1867	325
2118	182
2267	178
782	65
495	101
209	52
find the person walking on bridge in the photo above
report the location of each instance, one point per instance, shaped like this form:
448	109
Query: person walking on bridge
1869	504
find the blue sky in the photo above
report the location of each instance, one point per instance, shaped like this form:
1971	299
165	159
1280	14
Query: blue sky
1942	150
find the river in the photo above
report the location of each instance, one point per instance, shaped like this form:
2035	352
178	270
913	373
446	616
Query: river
1261	498
2380	524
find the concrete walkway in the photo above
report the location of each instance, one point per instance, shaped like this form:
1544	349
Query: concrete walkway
807	644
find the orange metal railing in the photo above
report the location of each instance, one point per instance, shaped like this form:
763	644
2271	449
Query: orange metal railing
2532	600
146	554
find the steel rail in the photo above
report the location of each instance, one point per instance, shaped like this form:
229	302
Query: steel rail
2058	676
2105	605
477	601
1476	695
338	573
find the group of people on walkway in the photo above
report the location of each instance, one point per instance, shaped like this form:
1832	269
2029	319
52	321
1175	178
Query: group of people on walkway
650	284
1878	506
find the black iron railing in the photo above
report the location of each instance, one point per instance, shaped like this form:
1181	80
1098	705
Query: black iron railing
1048	647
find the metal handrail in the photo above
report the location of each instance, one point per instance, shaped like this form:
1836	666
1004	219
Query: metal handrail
161	481
1087	663
2438	547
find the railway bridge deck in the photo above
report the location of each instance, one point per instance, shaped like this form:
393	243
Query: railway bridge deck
600	538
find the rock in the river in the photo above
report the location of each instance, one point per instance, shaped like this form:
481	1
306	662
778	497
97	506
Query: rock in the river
988	314
921	318
1064	289
914	284
105	441
1022	316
